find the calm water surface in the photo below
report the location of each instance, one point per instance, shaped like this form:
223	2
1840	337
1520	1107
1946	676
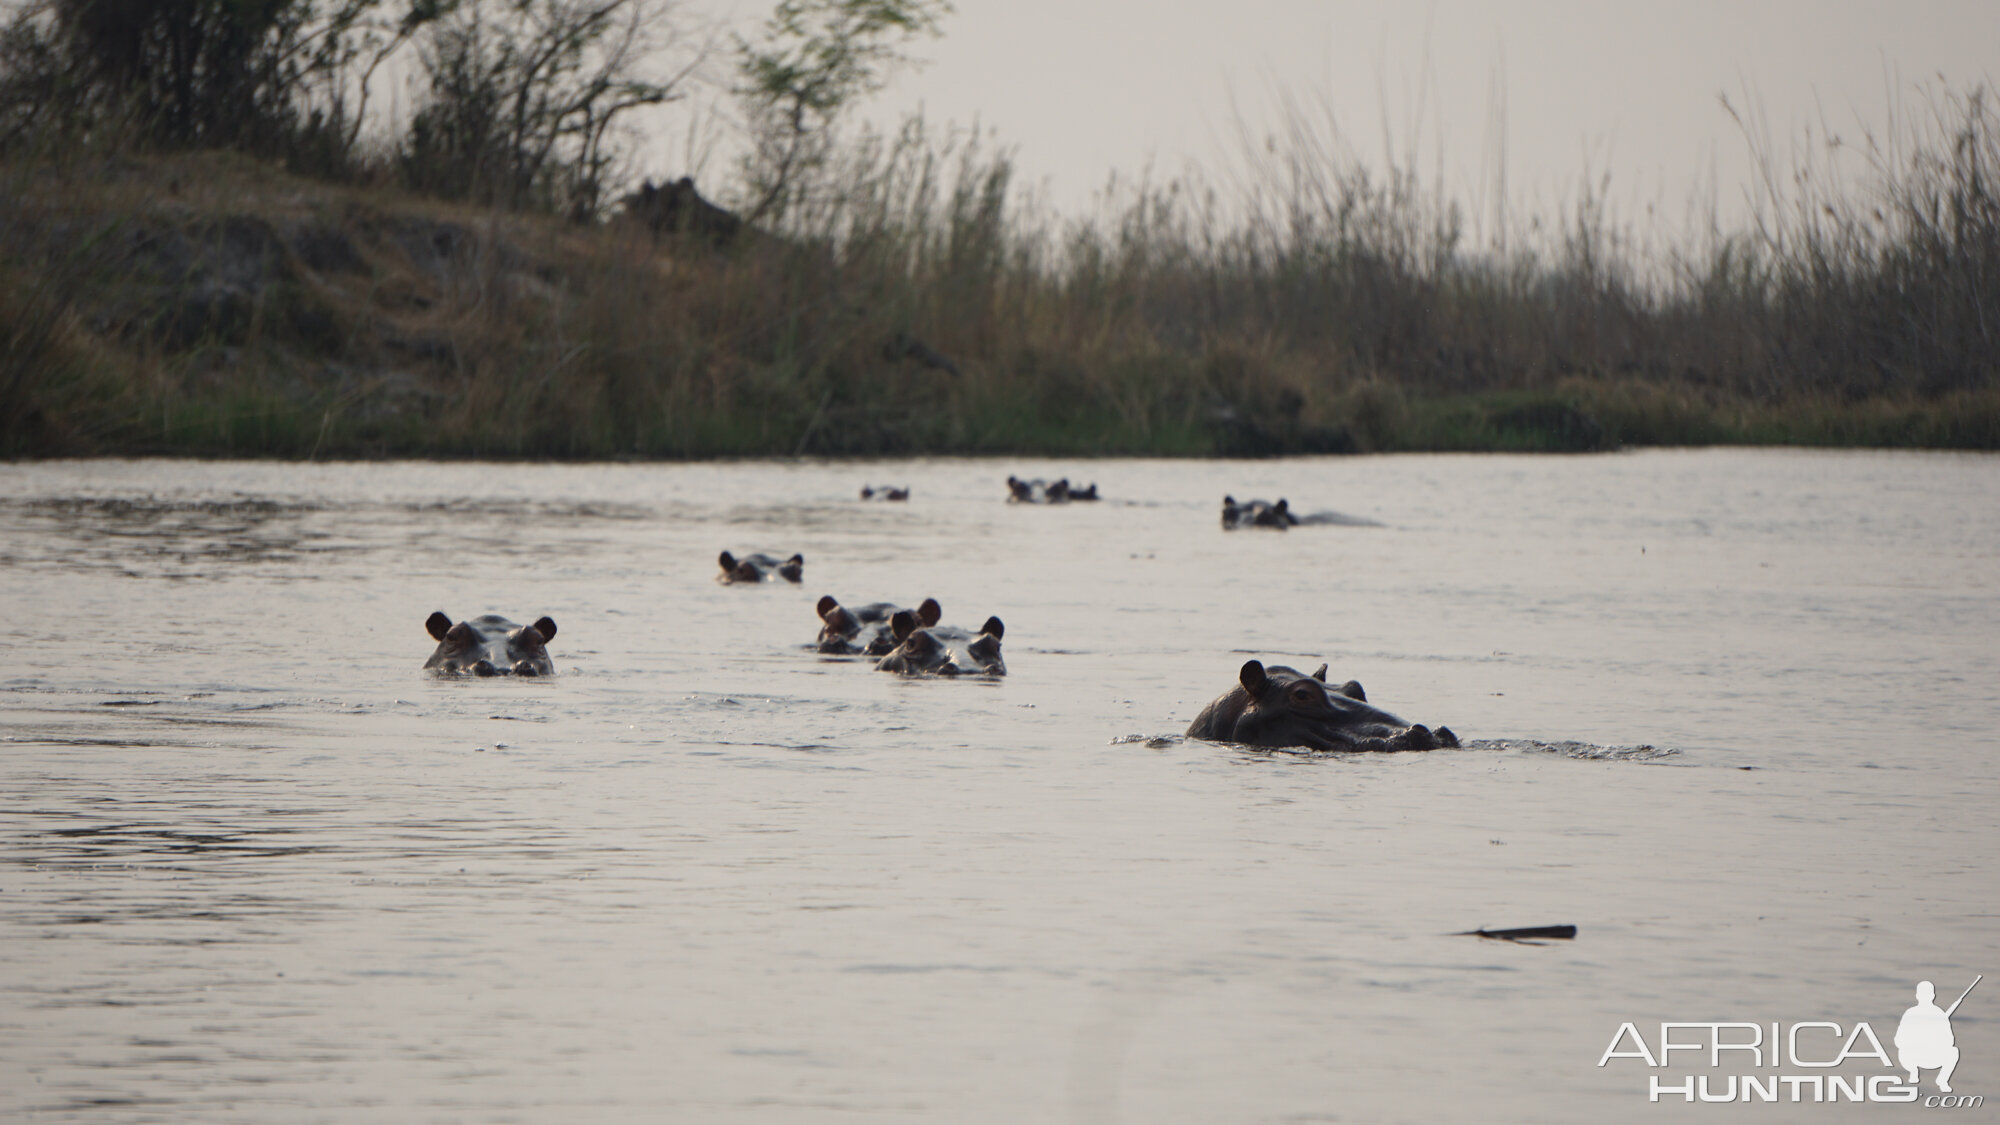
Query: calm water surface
1734	714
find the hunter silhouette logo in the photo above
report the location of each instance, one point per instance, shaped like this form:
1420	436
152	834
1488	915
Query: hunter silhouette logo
1924	1040
1807	1061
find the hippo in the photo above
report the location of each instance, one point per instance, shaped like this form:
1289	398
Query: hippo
886	492
491	646
1257	513
759	567
1038	491
1277	706
1026	491
866	629
943	650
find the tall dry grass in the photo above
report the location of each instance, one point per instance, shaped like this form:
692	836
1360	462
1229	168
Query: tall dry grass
919	302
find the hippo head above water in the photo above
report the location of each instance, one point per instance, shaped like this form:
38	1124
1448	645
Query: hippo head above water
1039	491
943	650
1278	706
1257	513
866	629
491	646
758	567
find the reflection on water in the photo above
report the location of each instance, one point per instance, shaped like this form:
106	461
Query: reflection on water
1730	713
148	537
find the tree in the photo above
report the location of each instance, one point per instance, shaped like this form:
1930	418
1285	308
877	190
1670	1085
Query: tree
523	95
263	75
817	58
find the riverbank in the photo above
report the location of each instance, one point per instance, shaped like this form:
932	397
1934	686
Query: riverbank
213	305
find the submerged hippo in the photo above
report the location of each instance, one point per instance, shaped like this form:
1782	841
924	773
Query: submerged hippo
886	492
845	631
943	650
758	567
1257	513
1277	706
491	646
1038	491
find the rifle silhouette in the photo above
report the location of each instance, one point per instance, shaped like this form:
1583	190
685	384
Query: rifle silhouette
1963	995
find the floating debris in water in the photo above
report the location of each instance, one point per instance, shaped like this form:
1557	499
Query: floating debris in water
1529	935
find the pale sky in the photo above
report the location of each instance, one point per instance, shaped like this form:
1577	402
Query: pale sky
1080	88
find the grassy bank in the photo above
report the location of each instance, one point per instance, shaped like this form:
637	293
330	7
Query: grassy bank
211	304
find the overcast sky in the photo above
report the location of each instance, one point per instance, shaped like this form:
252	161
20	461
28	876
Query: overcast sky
1080	88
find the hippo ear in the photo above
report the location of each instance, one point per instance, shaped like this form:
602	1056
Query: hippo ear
993	628
796	560
1229	501
437	625
728	561
1283	505
546	626
826	602
1251	676
930	613
1321	674
903	624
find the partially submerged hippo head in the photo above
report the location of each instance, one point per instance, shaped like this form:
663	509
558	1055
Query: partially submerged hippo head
1278	706
943	650
491	646
866	629
1257	513
886	492
1039	491
758	567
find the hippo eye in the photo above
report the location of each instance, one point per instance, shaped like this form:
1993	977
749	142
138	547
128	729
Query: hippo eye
1302	694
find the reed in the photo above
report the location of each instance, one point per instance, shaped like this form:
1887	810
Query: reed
917	302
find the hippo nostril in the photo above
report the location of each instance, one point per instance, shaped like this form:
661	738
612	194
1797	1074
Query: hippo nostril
524	668
484	668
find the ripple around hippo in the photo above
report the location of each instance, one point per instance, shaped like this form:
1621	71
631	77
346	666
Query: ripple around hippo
1581	751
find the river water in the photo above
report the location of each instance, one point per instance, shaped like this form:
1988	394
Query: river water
1732	713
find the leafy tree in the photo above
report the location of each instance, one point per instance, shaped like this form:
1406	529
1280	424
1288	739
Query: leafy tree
816	59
